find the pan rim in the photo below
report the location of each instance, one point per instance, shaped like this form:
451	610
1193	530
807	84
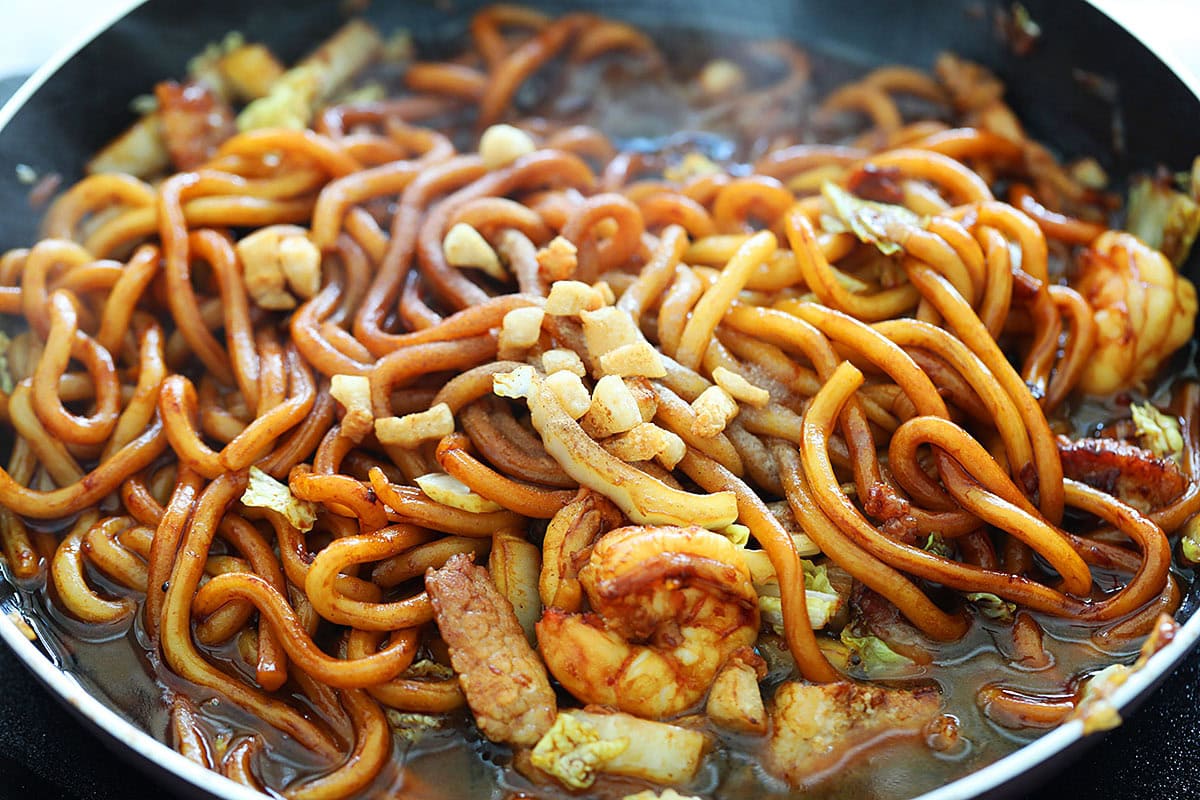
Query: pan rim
106	723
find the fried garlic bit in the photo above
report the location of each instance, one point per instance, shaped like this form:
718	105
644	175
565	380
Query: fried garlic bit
646	441
714	408
279	263
521	328
569	298
557	261
1144	311
613	409
413	429
631	360
500	145
465	247
570	391
606	292
615	343
558	360
515	384
606	329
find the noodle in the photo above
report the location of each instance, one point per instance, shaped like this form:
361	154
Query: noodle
387	420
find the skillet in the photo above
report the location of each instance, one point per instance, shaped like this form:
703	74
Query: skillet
1145	114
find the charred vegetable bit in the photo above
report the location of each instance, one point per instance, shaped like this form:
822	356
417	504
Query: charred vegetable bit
1163	218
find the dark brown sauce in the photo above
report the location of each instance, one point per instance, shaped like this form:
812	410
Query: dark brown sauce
443	763
453	761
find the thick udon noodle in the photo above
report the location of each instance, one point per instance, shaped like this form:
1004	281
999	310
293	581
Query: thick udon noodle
893	401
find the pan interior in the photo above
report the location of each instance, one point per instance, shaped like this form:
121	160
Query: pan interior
61	124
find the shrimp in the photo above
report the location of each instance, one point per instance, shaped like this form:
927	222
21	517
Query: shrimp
671	605
1144	309
570	533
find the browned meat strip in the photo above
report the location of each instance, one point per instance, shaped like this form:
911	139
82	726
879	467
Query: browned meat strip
816	727
503	679
195	122
1123	470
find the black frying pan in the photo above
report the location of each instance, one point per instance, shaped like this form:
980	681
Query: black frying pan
65	114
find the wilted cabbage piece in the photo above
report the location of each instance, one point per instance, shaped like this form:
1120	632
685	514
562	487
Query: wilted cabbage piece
738	534
288	105
6	379
1163	218
1190	543
1095	709
693	165
205	66
370	92
816	577
450	491
295	95
1157	432
875	656
938	546
410	726
573	751
263	491
659	753
423	668
992	606
821	598
876	223
821	608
